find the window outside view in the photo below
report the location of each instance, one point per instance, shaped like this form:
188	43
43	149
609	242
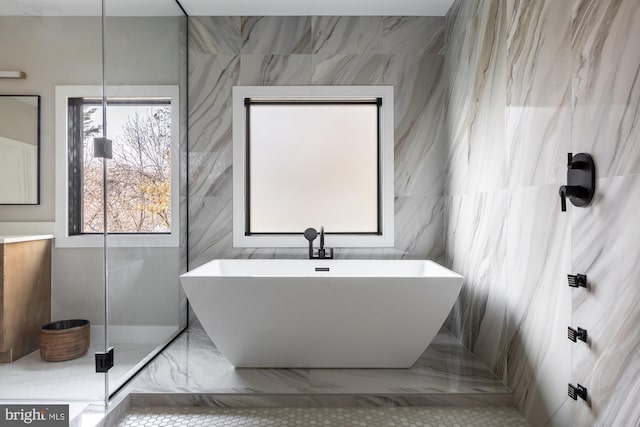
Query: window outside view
138	175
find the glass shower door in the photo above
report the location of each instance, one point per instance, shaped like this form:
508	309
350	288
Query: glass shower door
145	90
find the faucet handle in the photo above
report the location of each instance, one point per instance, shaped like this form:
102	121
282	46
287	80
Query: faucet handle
563	197
325	253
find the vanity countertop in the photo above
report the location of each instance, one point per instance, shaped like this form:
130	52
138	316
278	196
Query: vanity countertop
17	238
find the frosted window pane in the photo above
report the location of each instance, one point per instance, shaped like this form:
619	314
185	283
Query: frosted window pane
313	165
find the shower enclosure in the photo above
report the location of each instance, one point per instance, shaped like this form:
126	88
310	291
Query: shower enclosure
112	77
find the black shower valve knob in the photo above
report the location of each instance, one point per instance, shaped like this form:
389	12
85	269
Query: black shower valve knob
581	182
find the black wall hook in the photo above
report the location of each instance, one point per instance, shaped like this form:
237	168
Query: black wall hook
581	181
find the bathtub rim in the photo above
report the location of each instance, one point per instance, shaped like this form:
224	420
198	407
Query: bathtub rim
213	268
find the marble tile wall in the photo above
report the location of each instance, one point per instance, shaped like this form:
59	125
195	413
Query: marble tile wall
569	71
606	113
477	198
508	123
406	52
523	83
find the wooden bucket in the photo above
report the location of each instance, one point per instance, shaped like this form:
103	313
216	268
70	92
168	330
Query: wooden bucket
64	340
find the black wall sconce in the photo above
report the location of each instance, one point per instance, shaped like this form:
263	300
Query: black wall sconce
581	181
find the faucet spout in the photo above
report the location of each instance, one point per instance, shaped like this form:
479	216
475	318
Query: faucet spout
322	252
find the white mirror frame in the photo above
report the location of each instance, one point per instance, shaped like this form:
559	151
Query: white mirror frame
386	238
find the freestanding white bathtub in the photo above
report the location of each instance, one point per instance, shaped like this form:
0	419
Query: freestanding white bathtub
321	313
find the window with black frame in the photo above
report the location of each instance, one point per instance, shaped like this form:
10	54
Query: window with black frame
139	186
313	156
330	173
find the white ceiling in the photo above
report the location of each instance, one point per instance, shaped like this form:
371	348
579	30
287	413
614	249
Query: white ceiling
225	7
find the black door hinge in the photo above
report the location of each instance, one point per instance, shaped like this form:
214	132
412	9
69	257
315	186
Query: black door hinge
104	360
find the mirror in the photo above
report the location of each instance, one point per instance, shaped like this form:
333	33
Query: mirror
19	149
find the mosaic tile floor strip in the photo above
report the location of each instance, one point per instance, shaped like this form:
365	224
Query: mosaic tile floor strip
234	417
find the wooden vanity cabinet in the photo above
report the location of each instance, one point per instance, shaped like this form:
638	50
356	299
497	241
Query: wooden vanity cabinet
25	295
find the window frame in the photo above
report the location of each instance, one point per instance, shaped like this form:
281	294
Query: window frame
63	238
383	95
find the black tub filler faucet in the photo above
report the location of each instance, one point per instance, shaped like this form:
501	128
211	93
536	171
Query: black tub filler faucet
323	253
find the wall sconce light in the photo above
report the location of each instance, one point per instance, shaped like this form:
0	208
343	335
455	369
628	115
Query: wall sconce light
13	75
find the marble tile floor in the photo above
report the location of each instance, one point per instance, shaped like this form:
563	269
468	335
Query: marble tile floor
234	417
192	372
30	379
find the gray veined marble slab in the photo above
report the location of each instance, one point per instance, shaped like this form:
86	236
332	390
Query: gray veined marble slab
457	82
342	69
418	232
275	70
538	91
539	304
476	248
539	139
210	85
426	240
414	35
192	369
605	247
606	89
476	101
270	35
445	367
210	228
420	140
417	80
215	34
210	173
487	148
538	250
538	52
346	34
